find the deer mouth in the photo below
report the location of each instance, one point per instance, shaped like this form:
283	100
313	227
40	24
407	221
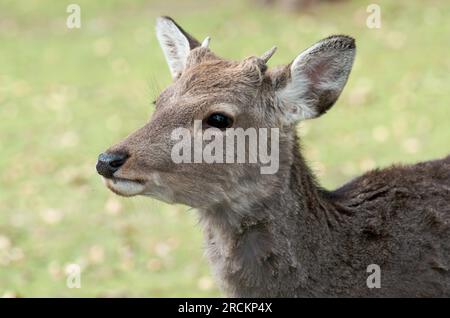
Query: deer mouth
125	187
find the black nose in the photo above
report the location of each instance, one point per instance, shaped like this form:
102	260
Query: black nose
108	163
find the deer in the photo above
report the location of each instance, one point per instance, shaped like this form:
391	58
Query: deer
282	234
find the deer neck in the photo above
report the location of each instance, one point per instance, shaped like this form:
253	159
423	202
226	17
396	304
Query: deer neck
251	245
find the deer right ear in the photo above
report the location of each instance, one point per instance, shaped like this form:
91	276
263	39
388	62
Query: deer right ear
175	43
312	83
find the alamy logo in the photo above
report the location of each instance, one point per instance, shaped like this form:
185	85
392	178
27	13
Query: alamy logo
373	21
73	272
73	21
233	145
374	279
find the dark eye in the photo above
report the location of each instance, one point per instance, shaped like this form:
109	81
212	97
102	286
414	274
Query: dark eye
219	120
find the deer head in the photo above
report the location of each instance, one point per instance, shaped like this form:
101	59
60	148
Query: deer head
222	94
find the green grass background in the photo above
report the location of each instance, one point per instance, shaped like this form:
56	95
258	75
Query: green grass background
67	94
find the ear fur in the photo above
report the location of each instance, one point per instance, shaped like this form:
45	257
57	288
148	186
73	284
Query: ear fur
314	80
175	43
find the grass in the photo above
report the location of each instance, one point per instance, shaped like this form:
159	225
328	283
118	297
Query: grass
67	94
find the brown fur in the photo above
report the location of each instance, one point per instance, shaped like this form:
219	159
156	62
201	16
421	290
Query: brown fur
282	235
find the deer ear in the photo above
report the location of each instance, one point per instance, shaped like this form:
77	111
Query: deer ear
175	43
312	83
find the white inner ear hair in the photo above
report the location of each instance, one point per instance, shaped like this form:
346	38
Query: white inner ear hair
292	97
174	45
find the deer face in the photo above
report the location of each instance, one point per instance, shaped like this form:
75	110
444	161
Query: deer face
214	97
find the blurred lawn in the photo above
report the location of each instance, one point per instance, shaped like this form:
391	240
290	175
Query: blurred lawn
66	95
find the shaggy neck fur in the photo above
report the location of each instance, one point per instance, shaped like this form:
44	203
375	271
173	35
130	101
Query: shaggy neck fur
275	239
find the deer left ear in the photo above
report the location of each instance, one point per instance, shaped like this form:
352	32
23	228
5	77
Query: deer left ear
175	43
312	83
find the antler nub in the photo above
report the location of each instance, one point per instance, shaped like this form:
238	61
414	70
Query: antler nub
205	42
266	56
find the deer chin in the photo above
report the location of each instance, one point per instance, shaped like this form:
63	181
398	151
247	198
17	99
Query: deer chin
124	187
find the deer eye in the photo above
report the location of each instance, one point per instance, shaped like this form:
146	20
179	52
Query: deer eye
219	120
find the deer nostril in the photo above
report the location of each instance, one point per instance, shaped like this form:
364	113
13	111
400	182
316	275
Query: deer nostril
108	163
117	163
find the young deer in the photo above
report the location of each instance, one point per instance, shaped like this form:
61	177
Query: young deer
281	234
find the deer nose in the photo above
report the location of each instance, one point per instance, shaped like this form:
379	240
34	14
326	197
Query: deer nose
108	163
